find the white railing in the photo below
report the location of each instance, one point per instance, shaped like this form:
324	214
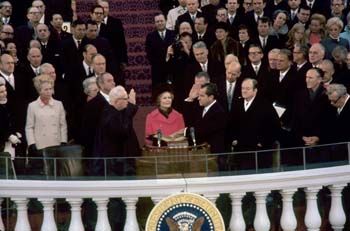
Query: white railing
287	183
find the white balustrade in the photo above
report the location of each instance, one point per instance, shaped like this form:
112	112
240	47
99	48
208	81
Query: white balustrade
76	223
22	223
212	198
49	223
288	219
156	199
102	223
237	222
261	220
312	215
337	216
2	227
131	220
236	186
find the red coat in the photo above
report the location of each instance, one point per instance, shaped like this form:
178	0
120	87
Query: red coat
156	120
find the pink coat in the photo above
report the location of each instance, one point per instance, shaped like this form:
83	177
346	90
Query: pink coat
156	120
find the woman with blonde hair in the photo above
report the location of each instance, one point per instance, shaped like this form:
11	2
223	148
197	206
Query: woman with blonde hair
46	122
296	36
317	29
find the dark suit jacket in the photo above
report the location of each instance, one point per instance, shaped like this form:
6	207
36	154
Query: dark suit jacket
271	42
23	35
70	54
115	135
211	128
222	98
92	113
251	23
156	49
233	28
186	17
301	75
259	124
209	38
114	33
26	76
310	117
341	125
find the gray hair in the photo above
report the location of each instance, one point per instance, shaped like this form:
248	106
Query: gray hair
328	63
116	93
43	67
203	74
339	89
274	50
100	78
199	44
87	83
334	21
319	46
339	51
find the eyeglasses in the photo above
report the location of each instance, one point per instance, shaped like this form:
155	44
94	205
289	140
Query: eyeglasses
8	33
254	53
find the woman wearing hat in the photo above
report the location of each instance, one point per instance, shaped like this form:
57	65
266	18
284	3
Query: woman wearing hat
164	118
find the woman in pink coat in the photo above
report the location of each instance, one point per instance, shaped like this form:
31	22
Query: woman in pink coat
164	117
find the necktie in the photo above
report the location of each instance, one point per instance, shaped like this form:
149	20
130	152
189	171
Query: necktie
264	43
90	71
292	15
36	70
6	21
79	43
231	20
162	35
204	111
229	96
310	5
256	69
204	67
246	106
281	77
12	81
193	18
199	36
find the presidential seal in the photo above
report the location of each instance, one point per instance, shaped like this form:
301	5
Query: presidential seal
185	212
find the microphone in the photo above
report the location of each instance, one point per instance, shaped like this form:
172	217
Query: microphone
193	136
159	137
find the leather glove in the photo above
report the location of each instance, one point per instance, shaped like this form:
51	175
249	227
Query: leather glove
32	148
14	139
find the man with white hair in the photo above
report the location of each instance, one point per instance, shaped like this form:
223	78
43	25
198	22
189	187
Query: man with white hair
316	54
115	136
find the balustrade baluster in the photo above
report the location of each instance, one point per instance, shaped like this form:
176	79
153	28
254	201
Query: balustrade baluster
312	216
261	220
131	220
22	223
49	223
2	227
156	199
337	216
237	222
102	214
288	219
76	223
212	198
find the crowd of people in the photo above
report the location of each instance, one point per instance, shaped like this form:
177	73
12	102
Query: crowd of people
241	74
274	71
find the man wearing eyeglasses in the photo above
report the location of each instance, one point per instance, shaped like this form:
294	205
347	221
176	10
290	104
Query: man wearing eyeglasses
339	98
6	12
6	32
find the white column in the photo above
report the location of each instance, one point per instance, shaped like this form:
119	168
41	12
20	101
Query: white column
76	223
337	216
22	223
312	216
261	220
2	227
156	199
49	223
212	198
237	222
288	219
102	215
131	220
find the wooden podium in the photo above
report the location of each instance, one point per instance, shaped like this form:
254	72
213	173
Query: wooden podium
175	161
